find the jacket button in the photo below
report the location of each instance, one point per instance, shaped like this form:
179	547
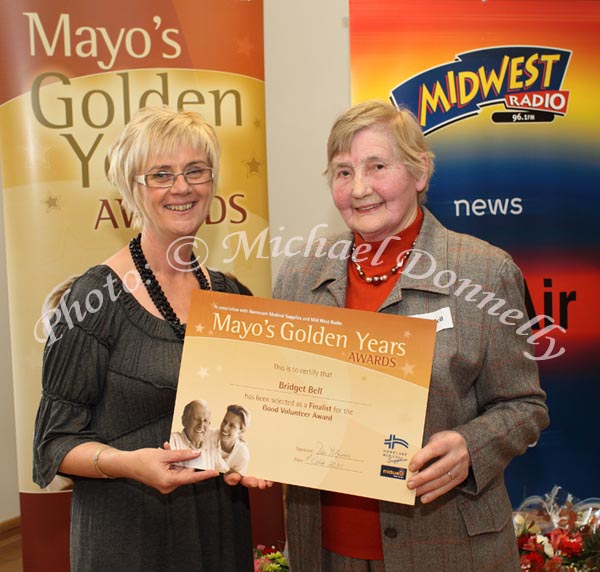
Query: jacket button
390	532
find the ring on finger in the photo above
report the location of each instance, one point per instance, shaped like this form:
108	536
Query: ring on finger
450	475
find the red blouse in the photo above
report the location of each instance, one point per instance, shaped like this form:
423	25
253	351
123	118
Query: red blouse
350	524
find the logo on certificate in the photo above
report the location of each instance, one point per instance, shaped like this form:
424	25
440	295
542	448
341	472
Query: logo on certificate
394	452
392	472
392	441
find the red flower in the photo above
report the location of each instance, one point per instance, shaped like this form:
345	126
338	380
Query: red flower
269	550
523	540
532	562
553	565
531	544
567	543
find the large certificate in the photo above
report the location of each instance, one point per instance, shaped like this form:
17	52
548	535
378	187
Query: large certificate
322	397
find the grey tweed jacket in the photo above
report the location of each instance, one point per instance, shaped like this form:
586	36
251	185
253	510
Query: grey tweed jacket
482	385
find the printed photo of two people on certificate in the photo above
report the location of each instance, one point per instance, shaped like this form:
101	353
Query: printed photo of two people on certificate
222	449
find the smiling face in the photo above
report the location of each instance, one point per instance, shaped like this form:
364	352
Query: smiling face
178	210
372	189
196	421
231	429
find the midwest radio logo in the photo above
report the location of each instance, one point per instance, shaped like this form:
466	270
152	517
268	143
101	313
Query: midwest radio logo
527	80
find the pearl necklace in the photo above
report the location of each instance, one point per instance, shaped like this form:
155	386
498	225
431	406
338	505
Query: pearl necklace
153	287
380	278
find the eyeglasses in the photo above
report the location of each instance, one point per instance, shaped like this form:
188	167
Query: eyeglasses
166	179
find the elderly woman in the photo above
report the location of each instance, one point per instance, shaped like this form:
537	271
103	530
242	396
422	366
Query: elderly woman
485	403
110	375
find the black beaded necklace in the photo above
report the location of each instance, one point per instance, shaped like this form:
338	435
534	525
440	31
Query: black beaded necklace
153	287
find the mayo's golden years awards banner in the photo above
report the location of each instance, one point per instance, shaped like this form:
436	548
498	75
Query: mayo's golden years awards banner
80	76
333	399
72	76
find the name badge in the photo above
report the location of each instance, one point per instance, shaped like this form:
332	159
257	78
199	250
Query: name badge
443	318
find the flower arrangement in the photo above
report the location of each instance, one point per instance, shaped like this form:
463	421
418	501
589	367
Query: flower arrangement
269	559
555	534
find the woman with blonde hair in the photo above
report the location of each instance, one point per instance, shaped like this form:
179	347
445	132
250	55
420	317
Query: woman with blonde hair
233	452
110	373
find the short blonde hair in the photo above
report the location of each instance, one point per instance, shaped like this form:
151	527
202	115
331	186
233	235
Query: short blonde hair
401	124
155	131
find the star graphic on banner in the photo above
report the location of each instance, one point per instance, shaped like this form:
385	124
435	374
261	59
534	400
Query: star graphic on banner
253	166
408	368
199	328
202	372
245	47
407	334
51	203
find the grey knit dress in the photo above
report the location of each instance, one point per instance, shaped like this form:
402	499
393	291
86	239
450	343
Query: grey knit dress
110	375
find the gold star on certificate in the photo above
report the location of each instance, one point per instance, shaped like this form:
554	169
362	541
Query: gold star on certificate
408	368
199	328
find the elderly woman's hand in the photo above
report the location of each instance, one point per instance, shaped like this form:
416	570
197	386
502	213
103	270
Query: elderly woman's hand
233	479
450	461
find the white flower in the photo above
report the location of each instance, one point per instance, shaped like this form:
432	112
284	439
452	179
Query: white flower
518	523
546	545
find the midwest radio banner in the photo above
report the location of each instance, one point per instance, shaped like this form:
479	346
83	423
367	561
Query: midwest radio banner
72	75
506	92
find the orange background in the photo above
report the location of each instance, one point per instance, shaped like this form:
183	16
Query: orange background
229	39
